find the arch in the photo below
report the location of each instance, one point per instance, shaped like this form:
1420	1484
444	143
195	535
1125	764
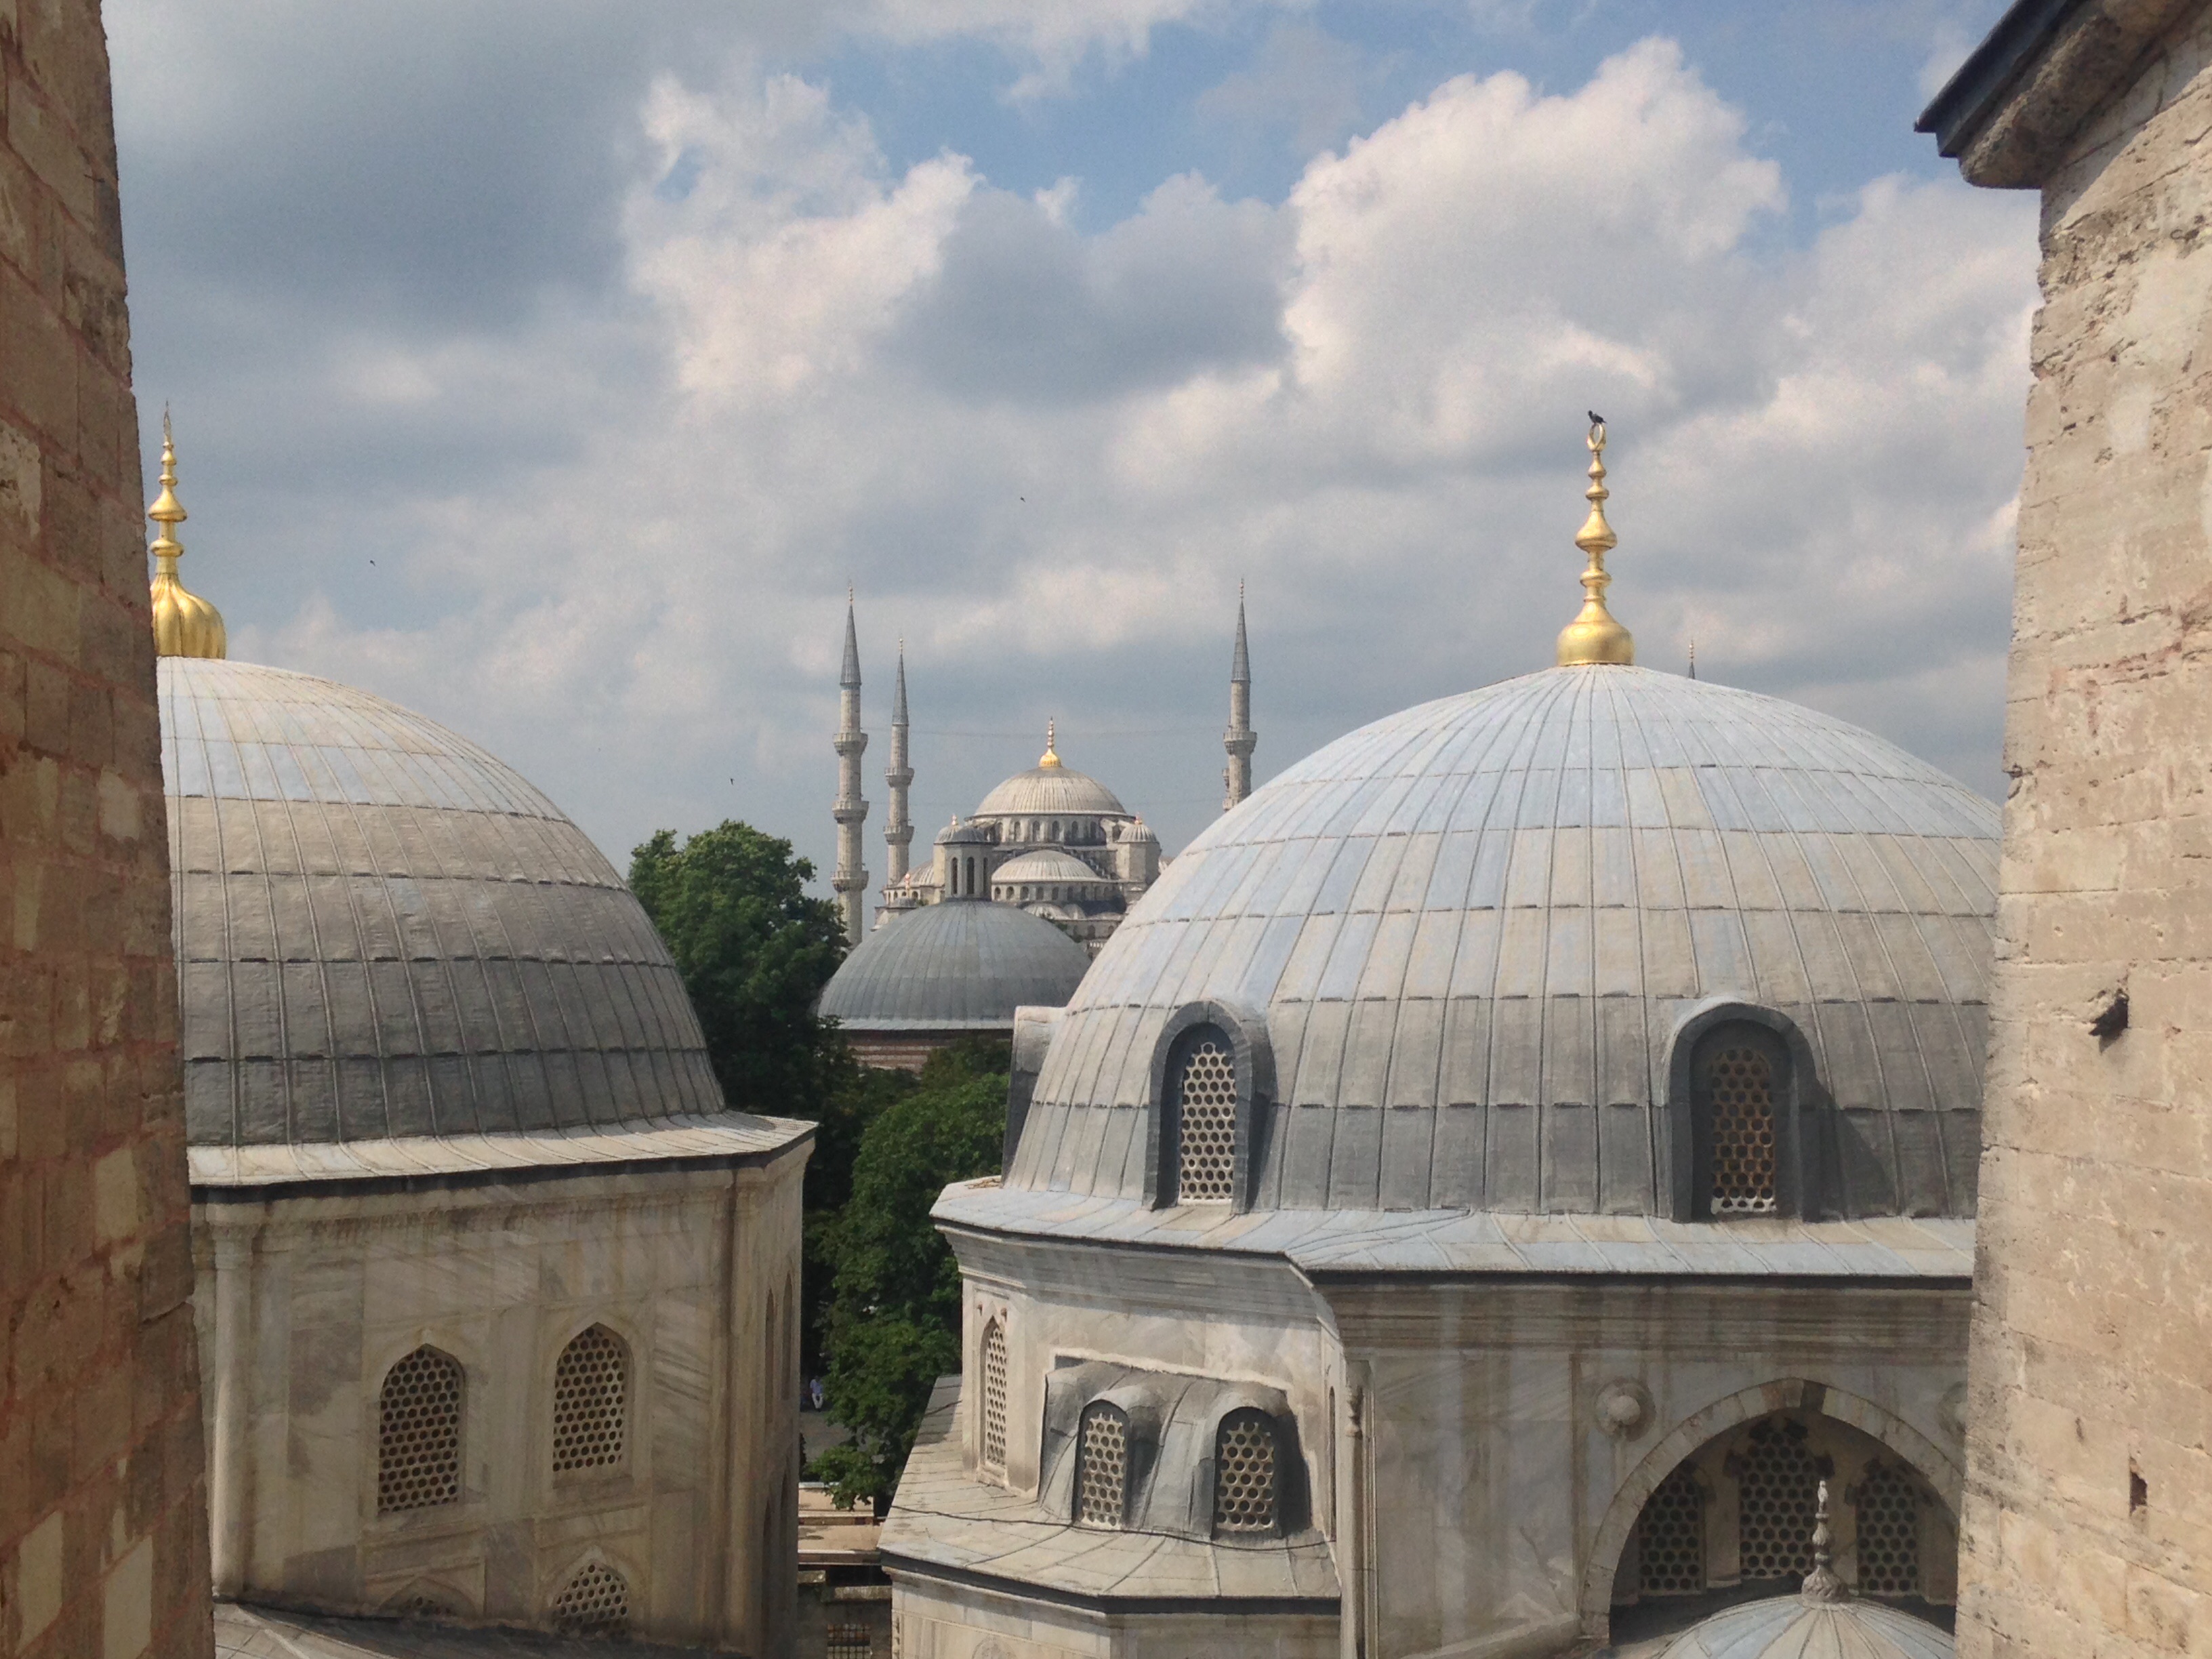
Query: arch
1929	1460
1101	1465
1247	1475
995	1395
592	1601
1685	1156
591	1401
419	1406
1241	1034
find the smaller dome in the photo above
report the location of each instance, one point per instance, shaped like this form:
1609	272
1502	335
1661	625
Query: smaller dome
1797	1627
954	967
1046	864
956	833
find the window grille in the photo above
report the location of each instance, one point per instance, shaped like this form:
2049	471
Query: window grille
591	1401
994	1395
423	1603
1206	1158
594	1602
1245	1473
1888	1504
1778	1485
850	1641
418	1433
1102	1465
1740	1084
1670	1537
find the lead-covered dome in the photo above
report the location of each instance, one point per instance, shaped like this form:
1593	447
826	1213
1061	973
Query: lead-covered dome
382	931
1465	957
963	964
1043	790
1791	1627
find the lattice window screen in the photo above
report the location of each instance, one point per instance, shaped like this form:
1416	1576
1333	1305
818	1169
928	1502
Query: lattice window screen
1245	1473
594	1602
849	1642
1889	1506
1670	1537
591	1401
1206	1158
1777	1483
1102	1465
1739	1084
994	1395
418	1433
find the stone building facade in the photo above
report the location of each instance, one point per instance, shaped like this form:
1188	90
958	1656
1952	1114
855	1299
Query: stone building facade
102	1515
2088	1517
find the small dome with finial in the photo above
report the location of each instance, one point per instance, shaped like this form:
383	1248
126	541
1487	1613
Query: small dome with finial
185	624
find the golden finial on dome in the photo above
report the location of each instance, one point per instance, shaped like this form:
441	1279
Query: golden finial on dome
185	624
1049	760
1594	636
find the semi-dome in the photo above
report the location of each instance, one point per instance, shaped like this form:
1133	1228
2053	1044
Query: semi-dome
1043	865
961	964
1468	952
381	931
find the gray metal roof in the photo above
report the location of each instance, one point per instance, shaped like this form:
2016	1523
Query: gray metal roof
1044	790
965	964
382	931
1473	928
1788	1627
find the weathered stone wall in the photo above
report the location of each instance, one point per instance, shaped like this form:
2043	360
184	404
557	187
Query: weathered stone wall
2088	1517
102	1528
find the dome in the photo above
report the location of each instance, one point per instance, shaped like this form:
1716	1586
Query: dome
1470	942
1792	1627
965	964
381	931
1046	790
1046	864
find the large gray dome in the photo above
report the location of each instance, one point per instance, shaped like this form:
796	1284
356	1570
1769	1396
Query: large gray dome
964	965
1468	937
382	931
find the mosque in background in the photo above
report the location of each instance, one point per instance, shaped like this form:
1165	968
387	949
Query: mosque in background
1017	898
1508	1187
497	1303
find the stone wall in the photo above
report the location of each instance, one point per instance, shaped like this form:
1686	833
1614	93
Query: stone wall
102	1528
2088	1515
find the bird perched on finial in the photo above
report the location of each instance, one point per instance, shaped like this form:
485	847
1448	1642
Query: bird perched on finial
1596	419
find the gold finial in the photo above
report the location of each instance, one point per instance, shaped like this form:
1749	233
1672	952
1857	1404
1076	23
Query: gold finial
1049	760
1594	636
185	624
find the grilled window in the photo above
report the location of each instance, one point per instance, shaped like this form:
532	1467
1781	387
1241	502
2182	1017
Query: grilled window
1777	1485
1888	1504
1206	1093
1101	1465
594	1602
1245	1473
1670	1537
994	1395
1740	1090
849	1642
591	1401
418	1433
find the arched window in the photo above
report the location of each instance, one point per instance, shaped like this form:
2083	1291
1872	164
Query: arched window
1055	829
1205	1085
591	1401
1777	1487
1670	1537
1739	1081
1102	1465
595	1602
1887	1500
994	1396
1245	1473
418	1433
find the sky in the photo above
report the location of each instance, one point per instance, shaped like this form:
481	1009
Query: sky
552	370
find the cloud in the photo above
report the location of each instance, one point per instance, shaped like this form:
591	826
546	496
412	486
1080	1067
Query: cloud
1303	82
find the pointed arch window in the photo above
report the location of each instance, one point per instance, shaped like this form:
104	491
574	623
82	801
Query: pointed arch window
994	1396
1244	1477
1101	1465
591	1401
1204	1081
418	1433
595	1602
1740	1082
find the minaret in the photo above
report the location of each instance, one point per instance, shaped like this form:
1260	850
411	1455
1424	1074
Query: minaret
1240	739
185	624
898	828
850	883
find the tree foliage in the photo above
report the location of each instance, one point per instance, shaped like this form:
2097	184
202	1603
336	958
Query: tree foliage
894	1319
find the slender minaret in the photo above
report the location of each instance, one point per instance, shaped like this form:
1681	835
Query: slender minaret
851	881
898	828
1240	739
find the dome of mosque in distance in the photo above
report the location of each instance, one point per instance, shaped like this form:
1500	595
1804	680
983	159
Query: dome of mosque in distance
961	963
1049	788
382	931
1477	954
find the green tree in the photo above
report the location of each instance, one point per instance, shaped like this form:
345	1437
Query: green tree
894	1319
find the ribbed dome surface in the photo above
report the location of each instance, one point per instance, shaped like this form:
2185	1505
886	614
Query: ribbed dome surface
1046	864
382	931
1787	1627
1473	928
1049	789
961	964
